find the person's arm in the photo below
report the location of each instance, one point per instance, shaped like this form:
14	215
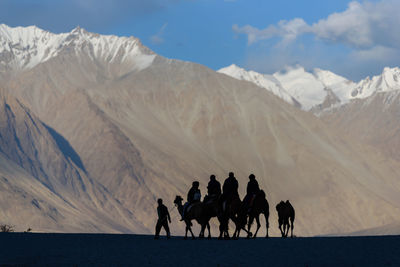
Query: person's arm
169	218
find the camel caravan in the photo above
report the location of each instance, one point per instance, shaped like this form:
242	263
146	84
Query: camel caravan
226	205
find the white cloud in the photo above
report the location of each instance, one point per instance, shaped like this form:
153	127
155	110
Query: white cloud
361	26
288	30
158	37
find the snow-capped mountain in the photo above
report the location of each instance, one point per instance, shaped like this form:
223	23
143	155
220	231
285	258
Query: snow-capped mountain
388	81
25	47
320	89
295	84
263	80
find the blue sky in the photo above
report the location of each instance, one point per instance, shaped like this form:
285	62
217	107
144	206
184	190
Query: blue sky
352	38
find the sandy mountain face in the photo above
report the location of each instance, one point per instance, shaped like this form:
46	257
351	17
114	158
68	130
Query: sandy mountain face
373	117
374	120
139	133
42	169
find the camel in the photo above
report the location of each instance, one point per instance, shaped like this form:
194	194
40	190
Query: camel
211	208
285	213
260	205
196	212
231	211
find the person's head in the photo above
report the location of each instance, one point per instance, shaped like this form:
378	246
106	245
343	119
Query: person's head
252	177
159	201
231	175
212	177
195	184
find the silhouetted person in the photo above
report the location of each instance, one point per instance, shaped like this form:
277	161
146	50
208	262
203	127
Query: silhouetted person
163	219
252	190
230	187
213	189
229	190
193	196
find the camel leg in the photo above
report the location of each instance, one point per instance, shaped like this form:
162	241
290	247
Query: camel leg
237	233
190	229
186	230
287	229
291	228
226	231
251	219
280	228
202	230
225	228
266	226
209	230
227	236
258	226
284	230
221	231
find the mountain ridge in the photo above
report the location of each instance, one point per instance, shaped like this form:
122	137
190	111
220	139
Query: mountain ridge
315	89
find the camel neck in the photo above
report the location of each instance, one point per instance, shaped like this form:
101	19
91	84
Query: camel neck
180	208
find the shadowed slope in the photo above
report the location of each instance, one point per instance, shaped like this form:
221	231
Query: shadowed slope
26	142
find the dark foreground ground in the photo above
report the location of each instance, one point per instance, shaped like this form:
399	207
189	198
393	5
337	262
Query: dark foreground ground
19	249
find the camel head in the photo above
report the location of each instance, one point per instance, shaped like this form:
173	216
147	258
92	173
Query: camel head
178	201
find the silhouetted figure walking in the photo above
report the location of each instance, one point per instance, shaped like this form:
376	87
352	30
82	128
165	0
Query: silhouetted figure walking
163	219
252	190
213	189
285	213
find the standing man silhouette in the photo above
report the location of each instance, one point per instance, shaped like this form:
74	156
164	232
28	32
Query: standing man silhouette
163	219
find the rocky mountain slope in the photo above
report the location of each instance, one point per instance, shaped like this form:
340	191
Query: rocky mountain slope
44	184
137	134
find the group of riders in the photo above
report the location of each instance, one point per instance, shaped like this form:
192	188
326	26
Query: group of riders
224	204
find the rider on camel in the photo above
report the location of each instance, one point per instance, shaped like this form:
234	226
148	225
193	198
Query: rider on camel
252	190
193	196
213	189
230	188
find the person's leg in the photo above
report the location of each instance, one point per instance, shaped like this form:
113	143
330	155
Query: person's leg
166	227
158	229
